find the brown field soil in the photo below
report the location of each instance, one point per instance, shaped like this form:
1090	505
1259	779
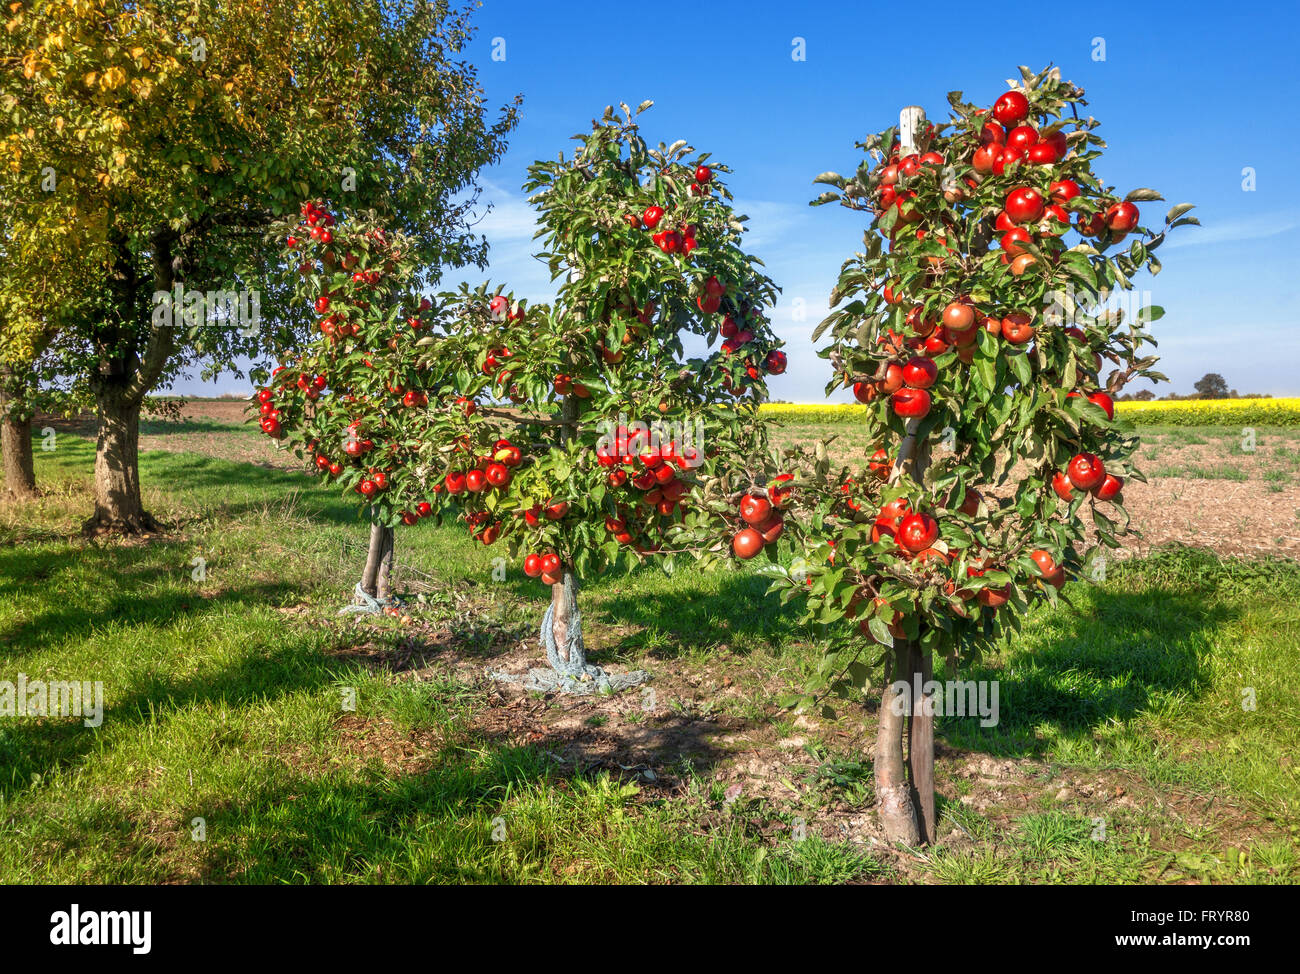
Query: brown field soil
1203	490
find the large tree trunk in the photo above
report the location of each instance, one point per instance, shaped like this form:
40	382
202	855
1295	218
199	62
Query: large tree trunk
894	803
20	469
16	442
123	379
118	504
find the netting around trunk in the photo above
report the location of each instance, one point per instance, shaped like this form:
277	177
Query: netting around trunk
574	674
364	602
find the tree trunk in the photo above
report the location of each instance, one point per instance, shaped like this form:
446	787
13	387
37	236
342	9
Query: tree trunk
905	788
124	378
375	578
16	445
564	596
893	791
118	505
564	601
920	743
383	583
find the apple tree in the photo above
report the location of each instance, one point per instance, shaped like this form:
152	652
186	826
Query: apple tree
627	407
370	404
976	325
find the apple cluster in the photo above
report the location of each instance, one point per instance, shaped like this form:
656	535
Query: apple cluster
761	514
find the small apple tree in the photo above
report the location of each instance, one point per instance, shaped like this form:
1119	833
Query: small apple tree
976	333
619	425
371	404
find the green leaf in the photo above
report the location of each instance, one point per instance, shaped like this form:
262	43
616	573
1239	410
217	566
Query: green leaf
1142	196
1023	371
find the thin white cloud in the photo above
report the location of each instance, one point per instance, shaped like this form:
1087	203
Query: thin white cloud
1248	228
504	215
770	221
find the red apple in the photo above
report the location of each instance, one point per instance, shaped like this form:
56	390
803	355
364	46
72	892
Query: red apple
920	373
1025	205
1122	217
884	527
911	403
772	528
1086	471
1109	488
1061	484
755	510
1012	239
1011	108
1063	190
1016	328
747	543
1105	402
958	316
916	532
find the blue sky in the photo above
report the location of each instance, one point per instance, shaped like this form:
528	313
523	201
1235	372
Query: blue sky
1189	96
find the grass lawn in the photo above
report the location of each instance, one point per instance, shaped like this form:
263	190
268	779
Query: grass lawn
1147	734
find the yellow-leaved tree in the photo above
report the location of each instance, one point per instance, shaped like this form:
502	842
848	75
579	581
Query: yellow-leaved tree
158	140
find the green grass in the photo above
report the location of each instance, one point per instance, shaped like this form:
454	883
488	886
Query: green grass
1199	472
1156	672
224	702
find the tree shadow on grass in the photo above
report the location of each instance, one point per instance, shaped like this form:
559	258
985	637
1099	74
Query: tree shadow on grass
1124	655
491	815
132	575
31	748
731	613
496	813
136	603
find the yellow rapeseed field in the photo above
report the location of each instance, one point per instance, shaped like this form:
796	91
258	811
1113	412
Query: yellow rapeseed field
1184	412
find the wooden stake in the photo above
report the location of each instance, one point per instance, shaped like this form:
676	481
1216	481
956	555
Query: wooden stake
911	120
905	787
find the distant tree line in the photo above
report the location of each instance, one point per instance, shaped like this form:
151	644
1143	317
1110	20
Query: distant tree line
1209	386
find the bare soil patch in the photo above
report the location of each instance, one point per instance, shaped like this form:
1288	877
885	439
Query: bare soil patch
767	767
1204	490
